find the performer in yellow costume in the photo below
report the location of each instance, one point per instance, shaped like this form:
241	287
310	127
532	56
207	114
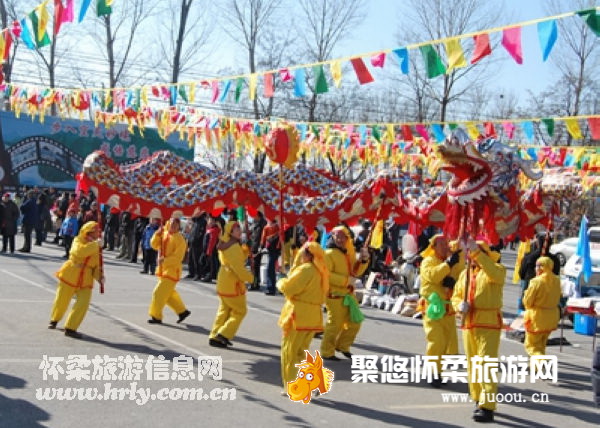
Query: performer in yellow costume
439	271
305	290
171	247
231	288
76	278
541	307
343	267
483	321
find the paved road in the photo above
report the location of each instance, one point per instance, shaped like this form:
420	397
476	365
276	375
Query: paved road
115	329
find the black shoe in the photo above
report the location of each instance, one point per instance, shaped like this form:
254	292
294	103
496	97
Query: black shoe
483	415
189	275
224	340
72	333
217	343
347	354
206	279
132	261
23	250
270	293
153	320
52	325
196	278
183	316
318	335
332	358
144	271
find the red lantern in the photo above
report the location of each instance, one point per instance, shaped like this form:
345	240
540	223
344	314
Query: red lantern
282	145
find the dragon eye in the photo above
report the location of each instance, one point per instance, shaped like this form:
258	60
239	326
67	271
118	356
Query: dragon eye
300	375
309	377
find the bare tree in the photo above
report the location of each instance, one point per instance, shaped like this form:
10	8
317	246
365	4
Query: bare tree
183	37
424	20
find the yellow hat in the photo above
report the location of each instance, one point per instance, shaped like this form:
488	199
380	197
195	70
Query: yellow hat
430	251
350	251
89	227
494	255
546	263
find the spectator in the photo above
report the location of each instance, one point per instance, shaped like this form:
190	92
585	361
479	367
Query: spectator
9	223
29	209
255	236
139	226
211	237
69	230
150	254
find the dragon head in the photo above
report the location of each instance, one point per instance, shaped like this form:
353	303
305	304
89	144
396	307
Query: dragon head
472	173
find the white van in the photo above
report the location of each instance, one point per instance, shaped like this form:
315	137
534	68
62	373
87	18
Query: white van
573	284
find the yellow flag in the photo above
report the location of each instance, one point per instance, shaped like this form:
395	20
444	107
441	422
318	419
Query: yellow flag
573	128
252	85
192	92
454	52
390	135
472	131
43	22
336	72
377	235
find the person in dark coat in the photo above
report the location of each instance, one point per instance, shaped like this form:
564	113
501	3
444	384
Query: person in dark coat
139	225
196	247
126	232
29	209
527	270
44	220
9	223
255	236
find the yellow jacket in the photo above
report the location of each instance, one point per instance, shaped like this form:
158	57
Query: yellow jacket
83	265
341	268
541	303
172	247
304	297
432	273
233	275
485	293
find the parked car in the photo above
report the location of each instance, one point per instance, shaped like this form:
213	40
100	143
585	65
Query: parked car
572	279
564	249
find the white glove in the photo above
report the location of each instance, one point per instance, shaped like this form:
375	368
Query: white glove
463	307
472	245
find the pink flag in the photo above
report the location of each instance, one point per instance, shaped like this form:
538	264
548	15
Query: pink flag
67	13
509	128
215	91
285	75
378	60
511	40
16	29
268	82
422	130
58	15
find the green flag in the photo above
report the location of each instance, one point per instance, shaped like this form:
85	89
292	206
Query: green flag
102	8
320	80
433	63
453	126
183	93
241	214
238	88
375	133
45	39
549	126
591	19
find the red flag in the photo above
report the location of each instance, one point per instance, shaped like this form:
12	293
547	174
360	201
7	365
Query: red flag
482	47
406	133
361	70
388	257
594	124
490	131
58	15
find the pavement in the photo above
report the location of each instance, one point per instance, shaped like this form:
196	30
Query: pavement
120	348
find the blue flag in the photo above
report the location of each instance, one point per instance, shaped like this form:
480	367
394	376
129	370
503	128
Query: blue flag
547	33
324	238
583	250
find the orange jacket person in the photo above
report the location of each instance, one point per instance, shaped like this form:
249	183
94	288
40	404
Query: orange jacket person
76	278
171	247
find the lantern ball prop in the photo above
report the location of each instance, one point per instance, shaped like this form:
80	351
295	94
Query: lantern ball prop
282	145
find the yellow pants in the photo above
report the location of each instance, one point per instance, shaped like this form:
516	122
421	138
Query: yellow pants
64	294
292	352
339	332
441	337
230	315
535	343
482	342
165	294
